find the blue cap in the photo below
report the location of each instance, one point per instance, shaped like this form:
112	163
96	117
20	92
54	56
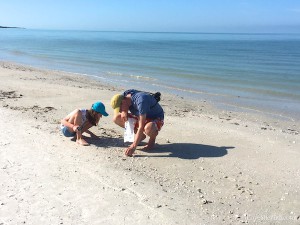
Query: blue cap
99	108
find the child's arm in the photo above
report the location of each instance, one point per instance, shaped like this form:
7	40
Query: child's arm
68	121
85	128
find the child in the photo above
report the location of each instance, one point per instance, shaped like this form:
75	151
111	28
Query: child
80	120
145	107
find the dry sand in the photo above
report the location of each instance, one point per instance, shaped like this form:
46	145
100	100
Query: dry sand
209	166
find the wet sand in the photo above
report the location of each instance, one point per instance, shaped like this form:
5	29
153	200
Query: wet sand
208	166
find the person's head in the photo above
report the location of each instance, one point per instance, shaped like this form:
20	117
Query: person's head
116	102
96	112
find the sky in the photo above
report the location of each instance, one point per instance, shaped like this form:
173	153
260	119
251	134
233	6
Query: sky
154	15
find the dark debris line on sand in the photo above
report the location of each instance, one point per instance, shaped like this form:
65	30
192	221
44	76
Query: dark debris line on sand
13	95
9	94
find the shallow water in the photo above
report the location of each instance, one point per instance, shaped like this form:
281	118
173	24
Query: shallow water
258	72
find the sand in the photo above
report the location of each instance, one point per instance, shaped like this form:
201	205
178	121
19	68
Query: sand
209	166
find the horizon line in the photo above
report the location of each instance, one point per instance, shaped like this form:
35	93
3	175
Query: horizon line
132	31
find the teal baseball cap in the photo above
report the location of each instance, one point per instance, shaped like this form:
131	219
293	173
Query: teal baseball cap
99	108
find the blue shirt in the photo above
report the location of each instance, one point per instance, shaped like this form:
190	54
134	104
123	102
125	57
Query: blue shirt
144	103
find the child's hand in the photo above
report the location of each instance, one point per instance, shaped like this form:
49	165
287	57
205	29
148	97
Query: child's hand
124	116
129	151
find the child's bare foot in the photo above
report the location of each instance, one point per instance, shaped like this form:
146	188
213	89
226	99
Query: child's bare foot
150	145
82	142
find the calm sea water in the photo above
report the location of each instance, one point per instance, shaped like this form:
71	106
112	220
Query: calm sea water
258	72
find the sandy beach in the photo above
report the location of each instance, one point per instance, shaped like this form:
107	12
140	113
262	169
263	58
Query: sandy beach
209	166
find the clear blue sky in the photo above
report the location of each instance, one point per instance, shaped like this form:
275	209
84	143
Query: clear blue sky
154	15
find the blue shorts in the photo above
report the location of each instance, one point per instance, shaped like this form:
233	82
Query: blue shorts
67	133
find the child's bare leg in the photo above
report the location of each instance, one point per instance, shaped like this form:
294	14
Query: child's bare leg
143	134
81	141
151	131
78	122
150	145
143	137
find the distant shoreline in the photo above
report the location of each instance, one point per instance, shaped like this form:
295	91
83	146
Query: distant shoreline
12	27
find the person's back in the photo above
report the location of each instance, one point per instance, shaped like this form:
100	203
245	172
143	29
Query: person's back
144	103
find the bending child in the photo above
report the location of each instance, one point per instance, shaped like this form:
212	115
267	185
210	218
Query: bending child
145	108
81	120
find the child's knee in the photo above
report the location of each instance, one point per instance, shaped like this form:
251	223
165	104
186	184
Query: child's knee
117	120
150	129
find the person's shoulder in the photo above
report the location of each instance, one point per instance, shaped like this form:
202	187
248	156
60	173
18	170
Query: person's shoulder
130	92
77	111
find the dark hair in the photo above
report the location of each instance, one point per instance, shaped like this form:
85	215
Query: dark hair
91	117
156	96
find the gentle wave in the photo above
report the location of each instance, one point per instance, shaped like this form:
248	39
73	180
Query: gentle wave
131	76
256	67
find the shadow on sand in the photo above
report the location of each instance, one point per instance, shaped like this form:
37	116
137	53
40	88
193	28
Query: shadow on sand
104	142
187	151
178	150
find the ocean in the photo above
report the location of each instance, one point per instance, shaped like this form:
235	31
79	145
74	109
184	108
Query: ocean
248	72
